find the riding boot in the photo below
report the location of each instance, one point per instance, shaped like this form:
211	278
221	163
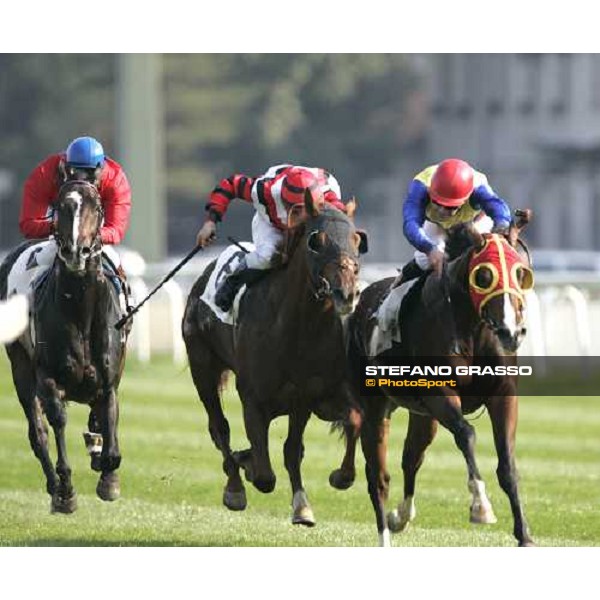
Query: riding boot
410	270
230	287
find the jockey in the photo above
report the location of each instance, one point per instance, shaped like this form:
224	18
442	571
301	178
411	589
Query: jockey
84	159
273	194
440	197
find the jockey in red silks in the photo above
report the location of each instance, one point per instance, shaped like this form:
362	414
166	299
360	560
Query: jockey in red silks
440	197
83	160
273	194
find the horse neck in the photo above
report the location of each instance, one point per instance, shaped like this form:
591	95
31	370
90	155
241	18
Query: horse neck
457	318
78	294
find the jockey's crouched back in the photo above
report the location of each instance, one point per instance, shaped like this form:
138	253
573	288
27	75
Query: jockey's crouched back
273	195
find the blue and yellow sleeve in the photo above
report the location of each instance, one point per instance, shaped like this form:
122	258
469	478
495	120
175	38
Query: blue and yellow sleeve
414	216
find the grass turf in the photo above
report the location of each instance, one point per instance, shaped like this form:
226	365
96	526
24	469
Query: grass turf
172	481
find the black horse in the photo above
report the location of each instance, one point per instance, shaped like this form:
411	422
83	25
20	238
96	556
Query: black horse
474	312
286	349
72	350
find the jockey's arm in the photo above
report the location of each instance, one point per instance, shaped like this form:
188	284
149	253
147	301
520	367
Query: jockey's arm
414	217
38	193
492	205
236	186
116	200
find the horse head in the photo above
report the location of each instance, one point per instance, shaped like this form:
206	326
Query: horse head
78	215
332	248
498	272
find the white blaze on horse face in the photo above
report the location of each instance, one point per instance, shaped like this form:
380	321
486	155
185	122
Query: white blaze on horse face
76	197
510	315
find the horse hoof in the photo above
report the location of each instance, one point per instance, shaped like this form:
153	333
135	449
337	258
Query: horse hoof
396	522
527	544
235	500
63	504
304	516
108	488
341	480
483	516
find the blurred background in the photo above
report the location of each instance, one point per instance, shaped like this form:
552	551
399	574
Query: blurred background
179	123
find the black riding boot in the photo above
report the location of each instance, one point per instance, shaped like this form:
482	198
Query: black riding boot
230	287
410	270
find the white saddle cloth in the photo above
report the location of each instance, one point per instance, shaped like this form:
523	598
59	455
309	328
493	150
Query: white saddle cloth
226	263
387	329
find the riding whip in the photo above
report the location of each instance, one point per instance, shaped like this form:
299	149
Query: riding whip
121	322
236	243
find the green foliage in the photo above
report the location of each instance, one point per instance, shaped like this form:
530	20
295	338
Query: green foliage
172	479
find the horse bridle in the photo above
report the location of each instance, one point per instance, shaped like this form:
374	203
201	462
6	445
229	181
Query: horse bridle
321	288
96	248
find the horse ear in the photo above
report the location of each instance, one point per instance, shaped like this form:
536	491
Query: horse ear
519	222
296	215
351	207
363	245
311	206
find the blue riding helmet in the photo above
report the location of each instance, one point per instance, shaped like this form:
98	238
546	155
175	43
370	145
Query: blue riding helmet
85	152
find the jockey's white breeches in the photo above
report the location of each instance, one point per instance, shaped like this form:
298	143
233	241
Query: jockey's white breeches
267	238
438	236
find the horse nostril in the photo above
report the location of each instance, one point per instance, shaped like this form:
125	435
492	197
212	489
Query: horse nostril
86	252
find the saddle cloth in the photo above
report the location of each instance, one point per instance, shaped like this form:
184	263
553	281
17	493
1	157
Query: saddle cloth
226	263
387	328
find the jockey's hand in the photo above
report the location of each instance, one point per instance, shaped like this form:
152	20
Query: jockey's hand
207	234
436	259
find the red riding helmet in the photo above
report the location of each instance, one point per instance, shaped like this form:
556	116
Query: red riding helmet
296	182
452	183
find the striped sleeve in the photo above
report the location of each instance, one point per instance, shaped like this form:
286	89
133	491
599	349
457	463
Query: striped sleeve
237	186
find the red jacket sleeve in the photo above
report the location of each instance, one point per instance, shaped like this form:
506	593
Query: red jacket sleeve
116	199
236	186
332	198
39	192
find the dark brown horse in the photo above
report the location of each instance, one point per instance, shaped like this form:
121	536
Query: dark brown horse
286	349
72	352
464	315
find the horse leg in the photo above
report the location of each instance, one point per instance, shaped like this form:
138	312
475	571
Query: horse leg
374	437
447	410
420	434
257	430
24	379
293	452
93	440
64	499
503	414
206	373
343	478
107	411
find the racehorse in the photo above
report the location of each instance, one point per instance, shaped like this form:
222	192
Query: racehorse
72	350
286	349
474	311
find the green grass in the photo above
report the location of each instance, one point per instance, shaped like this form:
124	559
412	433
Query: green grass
172	482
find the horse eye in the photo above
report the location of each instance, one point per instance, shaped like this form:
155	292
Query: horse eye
484	278
314	242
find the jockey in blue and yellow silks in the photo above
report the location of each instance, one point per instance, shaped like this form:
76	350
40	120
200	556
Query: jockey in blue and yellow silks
440	197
